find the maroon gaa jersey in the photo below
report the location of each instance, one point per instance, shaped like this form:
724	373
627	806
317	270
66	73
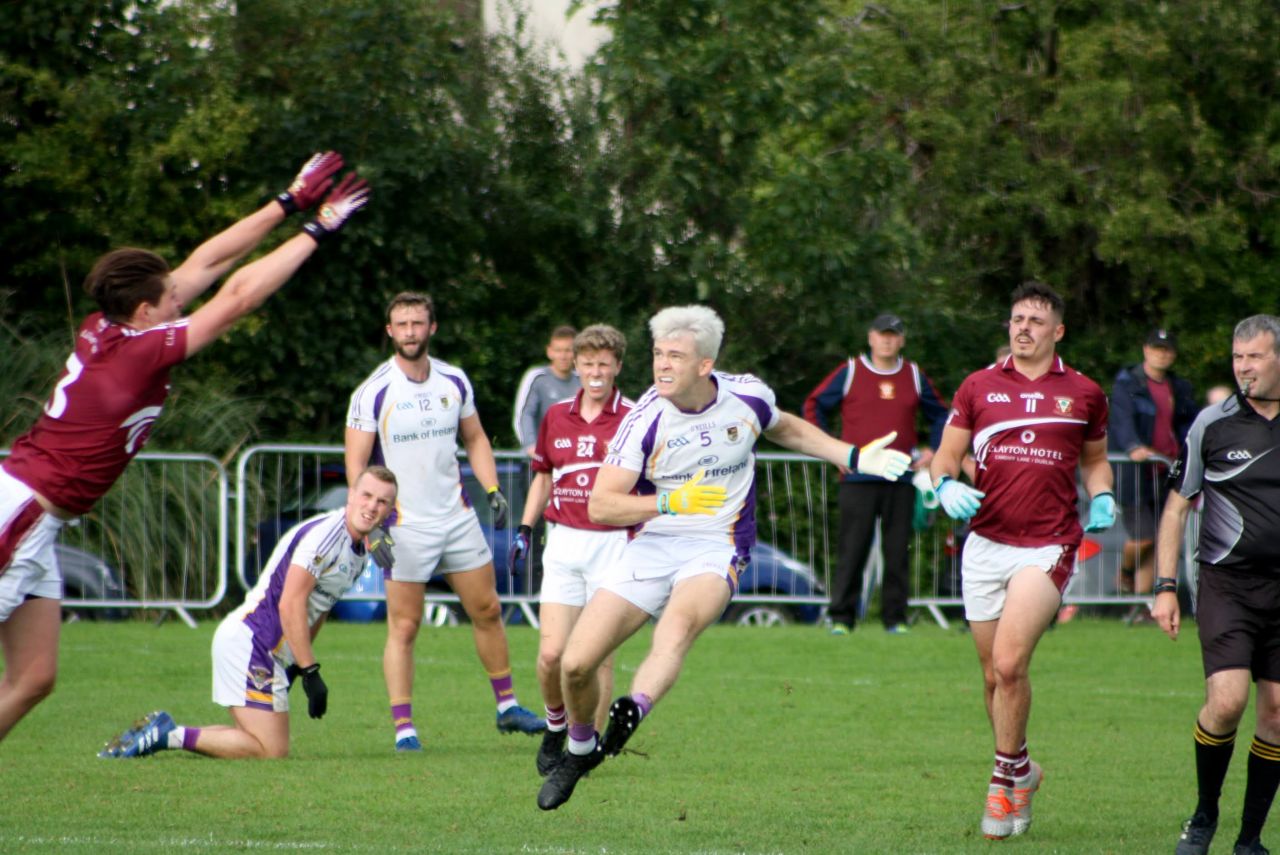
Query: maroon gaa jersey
572	450
1027	439
100	413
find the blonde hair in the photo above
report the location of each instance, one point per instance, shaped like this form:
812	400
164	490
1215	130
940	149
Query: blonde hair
699	321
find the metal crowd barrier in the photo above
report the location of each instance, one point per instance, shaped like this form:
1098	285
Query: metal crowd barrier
159	539
935	554
156	540
278	485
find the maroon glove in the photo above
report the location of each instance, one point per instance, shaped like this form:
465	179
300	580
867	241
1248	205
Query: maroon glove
347	198
313	181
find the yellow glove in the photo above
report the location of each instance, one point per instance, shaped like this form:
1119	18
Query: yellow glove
692	497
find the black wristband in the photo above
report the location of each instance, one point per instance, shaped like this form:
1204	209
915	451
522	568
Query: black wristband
287	202
318	232
853	458
1165	584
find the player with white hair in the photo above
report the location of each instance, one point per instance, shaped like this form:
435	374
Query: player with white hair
111	392
682	470
265	644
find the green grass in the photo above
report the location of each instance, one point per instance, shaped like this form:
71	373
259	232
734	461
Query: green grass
774	741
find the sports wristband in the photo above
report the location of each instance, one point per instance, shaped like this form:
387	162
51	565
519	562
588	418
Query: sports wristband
853	457
318	232
944	479
1103	493
664	502
1165	584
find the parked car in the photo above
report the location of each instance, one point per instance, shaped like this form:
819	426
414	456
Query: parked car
771	571
85	576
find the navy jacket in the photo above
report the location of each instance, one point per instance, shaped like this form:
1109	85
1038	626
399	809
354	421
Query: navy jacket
1133	412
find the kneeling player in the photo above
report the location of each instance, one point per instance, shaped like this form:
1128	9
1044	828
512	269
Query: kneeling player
264	644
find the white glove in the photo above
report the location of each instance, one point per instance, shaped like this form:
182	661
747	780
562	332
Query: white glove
924	486
960	501
875	459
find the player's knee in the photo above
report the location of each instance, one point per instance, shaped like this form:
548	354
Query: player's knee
549	659
1008	669
275	752
402	630
576	670
486	610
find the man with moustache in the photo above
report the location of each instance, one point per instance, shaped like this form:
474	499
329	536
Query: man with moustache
410	415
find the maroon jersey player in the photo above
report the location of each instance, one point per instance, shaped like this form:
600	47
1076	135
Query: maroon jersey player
572	440
1031	420
112	390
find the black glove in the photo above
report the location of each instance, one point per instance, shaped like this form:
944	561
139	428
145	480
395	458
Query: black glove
291	673
498	504
379	543
317	691
519	549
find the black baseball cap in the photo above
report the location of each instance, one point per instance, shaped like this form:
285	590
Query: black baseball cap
1160	337
888	322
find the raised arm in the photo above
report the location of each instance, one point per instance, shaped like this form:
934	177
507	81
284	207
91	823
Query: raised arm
252	284
213	258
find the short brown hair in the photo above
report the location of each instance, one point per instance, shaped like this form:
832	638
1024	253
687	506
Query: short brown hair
563	331
382	473
413	298
124	278
1038	292
601	337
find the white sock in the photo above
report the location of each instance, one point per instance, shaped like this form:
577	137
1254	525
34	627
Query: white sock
507	704
174	740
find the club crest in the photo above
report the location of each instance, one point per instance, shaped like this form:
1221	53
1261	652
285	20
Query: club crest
1063	406
887	391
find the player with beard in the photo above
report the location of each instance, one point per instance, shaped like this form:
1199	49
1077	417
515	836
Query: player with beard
410	415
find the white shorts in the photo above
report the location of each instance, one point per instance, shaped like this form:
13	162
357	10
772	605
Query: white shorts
27	560
987	567
652	564
245	674
451	545
576	560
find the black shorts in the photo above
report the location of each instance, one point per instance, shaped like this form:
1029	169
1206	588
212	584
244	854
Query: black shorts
1239	620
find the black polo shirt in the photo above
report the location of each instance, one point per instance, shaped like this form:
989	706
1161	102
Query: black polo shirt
1232	456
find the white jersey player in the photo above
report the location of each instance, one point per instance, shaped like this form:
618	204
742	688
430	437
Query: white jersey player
412	414
688	449
415	428
266	643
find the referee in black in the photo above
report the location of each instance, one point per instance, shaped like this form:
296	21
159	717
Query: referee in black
1232	456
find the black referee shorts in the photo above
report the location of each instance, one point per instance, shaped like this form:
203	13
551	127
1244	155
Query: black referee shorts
1239	621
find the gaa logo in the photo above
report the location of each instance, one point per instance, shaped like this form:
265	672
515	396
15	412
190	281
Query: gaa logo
678	442
999	398
1239	455
563	443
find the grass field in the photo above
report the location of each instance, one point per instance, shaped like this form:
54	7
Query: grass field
774	741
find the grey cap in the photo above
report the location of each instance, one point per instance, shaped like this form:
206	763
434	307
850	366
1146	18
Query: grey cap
888	322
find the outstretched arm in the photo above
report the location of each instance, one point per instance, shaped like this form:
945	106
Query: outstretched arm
252	284
213	258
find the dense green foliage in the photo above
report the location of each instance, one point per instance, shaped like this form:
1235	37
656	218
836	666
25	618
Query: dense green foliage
798	166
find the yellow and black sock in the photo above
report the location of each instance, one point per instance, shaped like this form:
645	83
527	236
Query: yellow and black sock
1213	756
1260	788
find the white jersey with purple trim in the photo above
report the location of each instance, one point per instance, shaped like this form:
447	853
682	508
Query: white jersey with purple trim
417	435
668	446
323	546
